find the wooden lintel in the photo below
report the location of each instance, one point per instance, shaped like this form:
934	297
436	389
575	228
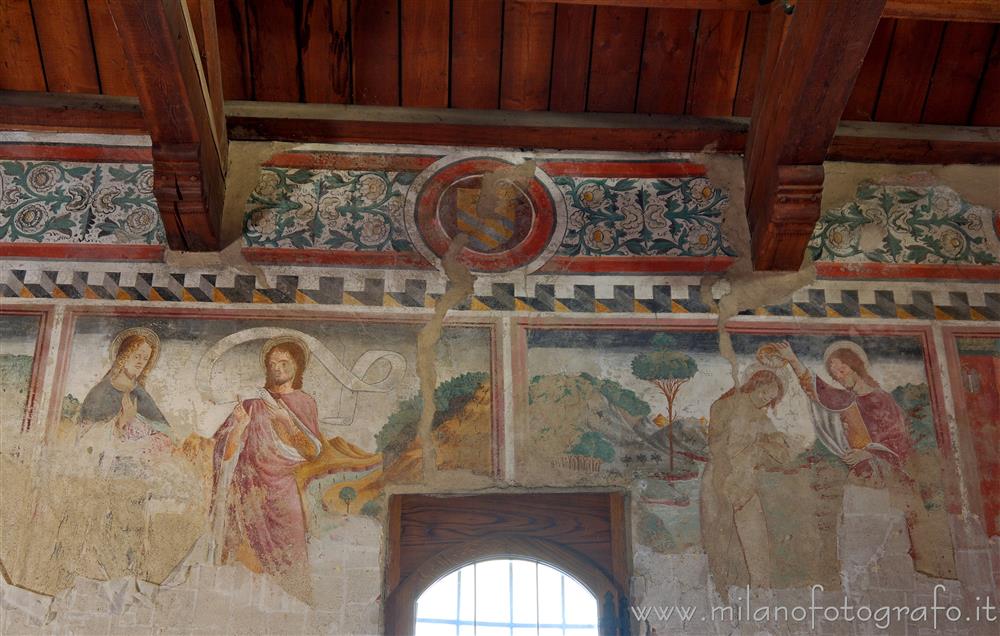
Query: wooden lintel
795	117
955	10
188	169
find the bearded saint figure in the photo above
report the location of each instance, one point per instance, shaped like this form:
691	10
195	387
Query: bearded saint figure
120	398
258	516
742	440
861	422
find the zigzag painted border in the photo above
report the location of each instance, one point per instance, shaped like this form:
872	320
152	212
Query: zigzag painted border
414	294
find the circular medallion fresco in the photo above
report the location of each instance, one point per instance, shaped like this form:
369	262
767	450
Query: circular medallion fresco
508	217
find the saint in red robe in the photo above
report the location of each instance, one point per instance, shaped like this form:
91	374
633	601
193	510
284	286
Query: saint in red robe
264	522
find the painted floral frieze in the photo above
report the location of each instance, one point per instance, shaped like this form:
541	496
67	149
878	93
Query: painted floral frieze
907	223
69	202
643	217
351	210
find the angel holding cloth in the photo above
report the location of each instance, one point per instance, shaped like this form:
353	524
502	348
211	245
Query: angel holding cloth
873	432
865	427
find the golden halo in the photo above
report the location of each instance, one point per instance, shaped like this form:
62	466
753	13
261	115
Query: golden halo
277	340
845	344
148	334
768	356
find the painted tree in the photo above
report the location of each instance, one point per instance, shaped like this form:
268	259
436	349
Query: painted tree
668	370
347	495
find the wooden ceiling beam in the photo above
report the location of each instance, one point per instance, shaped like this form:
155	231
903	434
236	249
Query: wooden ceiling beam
67	112
188	138
955	10
876	142
808	69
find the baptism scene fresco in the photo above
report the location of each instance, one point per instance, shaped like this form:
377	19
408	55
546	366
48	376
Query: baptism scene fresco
767	464
258	442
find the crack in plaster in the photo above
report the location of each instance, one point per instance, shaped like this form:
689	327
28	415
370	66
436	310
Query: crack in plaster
740	287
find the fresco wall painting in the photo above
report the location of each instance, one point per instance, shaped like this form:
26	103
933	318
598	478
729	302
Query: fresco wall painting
24	334
257	439
821	416
974	361
218	437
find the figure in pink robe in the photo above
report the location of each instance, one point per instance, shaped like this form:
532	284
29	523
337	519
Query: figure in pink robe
258	509
875	442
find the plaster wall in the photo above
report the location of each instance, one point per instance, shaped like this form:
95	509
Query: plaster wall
447	387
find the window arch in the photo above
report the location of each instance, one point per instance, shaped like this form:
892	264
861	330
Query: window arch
579	534
507	596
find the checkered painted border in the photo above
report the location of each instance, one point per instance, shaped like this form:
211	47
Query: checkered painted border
414	293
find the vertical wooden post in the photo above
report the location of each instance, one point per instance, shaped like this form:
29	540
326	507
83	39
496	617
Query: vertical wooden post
188	132
807	73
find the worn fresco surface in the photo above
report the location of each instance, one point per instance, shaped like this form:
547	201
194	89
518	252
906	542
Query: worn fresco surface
78	202
768	464
213	442
907	221
260	443
519	210
979	374
19	334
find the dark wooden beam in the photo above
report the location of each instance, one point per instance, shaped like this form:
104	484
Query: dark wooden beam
252	121
807	74
188	141
955	10
872	142
854	141
71	113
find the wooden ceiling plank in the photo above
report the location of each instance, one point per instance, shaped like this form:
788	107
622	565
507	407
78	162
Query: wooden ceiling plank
958	10
274	51
861	105
20	60
795	119
67	49
527	56
326	52
111	63
475	53
234	48
425	27
959	68
375	52
987	108
908	71
188	170
666	61
753	49
570	69
716	71
615	59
